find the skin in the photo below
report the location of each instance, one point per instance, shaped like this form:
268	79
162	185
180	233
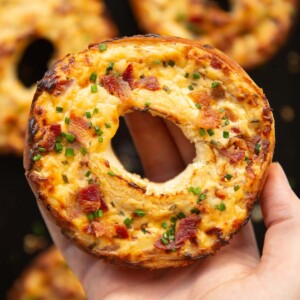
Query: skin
237	271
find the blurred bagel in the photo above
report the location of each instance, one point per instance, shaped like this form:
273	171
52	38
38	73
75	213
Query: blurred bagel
119	216
250	32
68	25
49	278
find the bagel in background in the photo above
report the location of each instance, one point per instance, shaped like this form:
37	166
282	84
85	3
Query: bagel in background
121	217
68	25
251	32
47	278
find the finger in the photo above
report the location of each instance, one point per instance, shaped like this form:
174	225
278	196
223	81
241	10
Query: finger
281	211
157	150
184	146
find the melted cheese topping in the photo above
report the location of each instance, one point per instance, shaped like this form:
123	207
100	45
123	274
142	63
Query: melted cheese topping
221	191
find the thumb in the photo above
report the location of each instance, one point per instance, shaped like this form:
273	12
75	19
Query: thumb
281	212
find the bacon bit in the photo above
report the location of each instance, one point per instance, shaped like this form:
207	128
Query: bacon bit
234	155
238	143
266	131
101	228
128	76
116	86
121	231
236	130
216	63
168	247
218	92
251	142
61	86
250	171
89	198
187	228
149	83
230	114
209	119
79	127
50	135
203	99
220	194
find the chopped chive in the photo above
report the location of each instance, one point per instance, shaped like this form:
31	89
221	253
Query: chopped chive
90	217
210	132
83	151
198	105
41	149
164	241
69	152
215	84
221	110
257	148
96	110
128	222
171	63
157	62
67	120
102	47
214	142
221	206
94	88
180	215
90	124
194	190
70	137
98	130
236	187
202	197
58	139
202	131
147	103
246	159
225	134
88	114
88	173
100	139
37	157
187	75
110	67
63	134
190	87
173	219
228	176
195	211
107	125
58	147
111	173
139	212
65	178
93	77
98	213
196	75
90	180
164	225
59	109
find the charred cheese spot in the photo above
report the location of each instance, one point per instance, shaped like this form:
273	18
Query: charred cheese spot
128	219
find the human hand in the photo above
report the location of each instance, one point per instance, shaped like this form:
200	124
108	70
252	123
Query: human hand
235	272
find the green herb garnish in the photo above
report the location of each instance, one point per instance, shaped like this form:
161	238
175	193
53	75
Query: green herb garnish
102	47
221	207
215	84
70	137
37	157
59	109
139	212
210	132
69	152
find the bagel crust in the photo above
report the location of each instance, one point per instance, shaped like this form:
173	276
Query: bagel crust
48	277
251	31
119	216
67	24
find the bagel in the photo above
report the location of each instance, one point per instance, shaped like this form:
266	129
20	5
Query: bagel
68	25
48	277
120	216
250	32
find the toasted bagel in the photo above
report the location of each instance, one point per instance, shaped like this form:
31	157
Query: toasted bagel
119	216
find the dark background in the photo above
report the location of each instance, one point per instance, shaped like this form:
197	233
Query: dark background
22	230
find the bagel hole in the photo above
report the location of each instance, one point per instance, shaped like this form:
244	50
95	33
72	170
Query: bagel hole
161	160
34	61
223	4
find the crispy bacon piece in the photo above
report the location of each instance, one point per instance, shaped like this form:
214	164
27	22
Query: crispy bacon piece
250	171
218	92
216	63
79	127
50	135
234	155
89	198
101	228
203	99
121	231
116	86
220	194
148	82
186	229
209	119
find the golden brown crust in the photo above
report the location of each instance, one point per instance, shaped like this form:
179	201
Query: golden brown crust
250	33
48	277
68	25
233	151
